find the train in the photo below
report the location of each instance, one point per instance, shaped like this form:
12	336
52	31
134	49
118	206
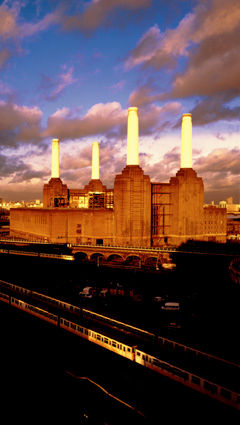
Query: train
79	311
132	353
37	254
84	313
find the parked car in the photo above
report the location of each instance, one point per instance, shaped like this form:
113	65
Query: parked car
87	292
169	266
158	299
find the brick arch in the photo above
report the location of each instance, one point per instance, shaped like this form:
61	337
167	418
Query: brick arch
96	255
132	258
115	257
81	256
149	261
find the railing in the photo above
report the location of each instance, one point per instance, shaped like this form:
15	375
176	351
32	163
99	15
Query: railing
189	379
87	245
37	254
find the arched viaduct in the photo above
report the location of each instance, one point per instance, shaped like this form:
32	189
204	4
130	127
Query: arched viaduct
127	255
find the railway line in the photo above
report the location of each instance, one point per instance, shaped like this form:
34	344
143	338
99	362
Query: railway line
195	368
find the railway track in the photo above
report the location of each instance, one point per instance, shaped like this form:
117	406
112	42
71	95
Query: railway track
206	365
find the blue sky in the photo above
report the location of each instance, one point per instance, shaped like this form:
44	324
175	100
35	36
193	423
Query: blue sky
70	69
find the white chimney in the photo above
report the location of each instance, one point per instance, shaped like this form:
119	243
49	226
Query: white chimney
55	158
186	145
132	137
95	161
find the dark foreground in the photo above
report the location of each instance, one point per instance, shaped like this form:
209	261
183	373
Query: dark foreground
40	367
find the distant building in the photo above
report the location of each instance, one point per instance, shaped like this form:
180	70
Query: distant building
135	212
7	205
233	227
230	206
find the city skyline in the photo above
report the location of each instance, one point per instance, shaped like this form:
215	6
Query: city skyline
71	70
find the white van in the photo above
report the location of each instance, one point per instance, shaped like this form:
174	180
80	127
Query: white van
86	292
171	306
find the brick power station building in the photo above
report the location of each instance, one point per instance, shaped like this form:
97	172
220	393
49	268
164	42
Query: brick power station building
135	212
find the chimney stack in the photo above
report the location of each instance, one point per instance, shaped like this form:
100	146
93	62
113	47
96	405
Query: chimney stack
95	161
55	158
186	145
132	137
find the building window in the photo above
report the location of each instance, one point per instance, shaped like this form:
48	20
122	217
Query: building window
79	229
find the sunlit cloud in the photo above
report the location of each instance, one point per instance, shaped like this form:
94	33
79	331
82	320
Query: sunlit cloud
53	87
100	119
97	13
19	124
184	58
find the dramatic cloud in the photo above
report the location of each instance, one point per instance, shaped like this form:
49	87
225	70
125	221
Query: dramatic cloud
19	124
77	159
164	169
16	170
8	22
221	174
12	28
109	120
207	41
100	119
10	165
144	95
204	78
153	118
211	18
220	171
220	160
213	109
29	29
76	162
99	12
156	49
4	56
53	87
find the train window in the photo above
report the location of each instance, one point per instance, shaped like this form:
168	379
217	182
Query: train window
86	332
120	346
143	357
124	348
105	340
128	349
226	393
80	329
195	380
98	337
138	354
167	367
113	344
210	387
180	373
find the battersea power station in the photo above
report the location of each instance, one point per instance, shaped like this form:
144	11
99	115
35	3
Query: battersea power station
135	212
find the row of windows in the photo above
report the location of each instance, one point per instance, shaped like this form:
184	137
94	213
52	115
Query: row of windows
39	219
96	336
